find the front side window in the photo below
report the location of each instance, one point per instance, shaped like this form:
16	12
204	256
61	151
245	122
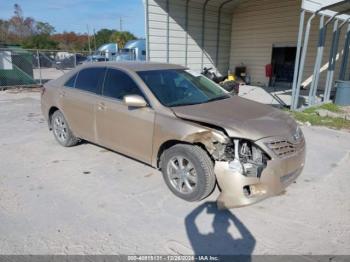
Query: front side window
118	84
180	87
90	79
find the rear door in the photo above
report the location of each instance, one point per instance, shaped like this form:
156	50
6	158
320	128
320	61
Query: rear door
78	99
124	129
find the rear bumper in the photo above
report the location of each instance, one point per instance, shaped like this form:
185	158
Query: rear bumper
278	174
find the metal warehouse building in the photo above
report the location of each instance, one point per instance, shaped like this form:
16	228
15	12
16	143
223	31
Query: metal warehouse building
229	34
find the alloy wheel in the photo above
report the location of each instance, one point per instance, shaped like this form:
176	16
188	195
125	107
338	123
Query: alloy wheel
60	128
182	174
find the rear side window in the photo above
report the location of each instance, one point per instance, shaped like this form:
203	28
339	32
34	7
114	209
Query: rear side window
90	79
118	84
71	81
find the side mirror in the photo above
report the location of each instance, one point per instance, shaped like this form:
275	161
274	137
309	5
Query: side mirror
134	101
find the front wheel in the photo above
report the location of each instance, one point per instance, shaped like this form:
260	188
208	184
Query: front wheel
61	130
188	172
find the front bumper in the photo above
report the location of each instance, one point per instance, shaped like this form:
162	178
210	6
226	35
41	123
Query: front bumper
277	175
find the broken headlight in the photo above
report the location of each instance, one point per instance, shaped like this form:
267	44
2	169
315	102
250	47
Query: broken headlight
246	158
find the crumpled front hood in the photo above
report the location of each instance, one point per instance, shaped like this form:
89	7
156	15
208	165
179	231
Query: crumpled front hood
241	117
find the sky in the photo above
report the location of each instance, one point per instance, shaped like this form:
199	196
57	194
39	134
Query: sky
77	15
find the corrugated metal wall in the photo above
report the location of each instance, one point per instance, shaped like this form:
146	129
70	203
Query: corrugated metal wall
185	32
248	31
258	25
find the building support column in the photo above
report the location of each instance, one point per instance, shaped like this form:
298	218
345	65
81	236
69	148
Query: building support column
297	58
331	63
167	32
318	60
147	30
218	29
345	60
186	29
300	67
203	31
333	58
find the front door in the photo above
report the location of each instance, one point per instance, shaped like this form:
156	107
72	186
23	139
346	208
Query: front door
124	129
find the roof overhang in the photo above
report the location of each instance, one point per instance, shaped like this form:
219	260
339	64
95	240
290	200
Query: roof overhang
331	8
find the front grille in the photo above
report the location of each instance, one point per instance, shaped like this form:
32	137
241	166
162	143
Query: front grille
282	148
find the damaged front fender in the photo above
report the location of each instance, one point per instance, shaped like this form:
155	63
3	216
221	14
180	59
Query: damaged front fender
214	142
173	130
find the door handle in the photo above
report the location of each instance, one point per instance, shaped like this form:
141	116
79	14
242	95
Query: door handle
101	106
62	94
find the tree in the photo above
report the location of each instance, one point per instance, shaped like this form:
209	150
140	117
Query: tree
44	28
42	41
121	38
20	26
30	33
71	41
18	10
103	36
26	30
4	31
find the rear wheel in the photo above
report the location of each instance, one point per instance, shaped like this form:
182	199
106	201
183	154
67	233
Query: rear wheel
188	172
61	130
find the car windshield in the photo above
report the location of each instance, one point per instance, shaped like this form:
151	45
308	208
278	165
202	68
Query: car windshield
182	87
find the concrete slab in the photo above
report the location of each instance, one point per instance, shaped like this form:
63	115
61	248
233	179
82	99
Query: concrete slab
48	73
275	96
265	95
88	200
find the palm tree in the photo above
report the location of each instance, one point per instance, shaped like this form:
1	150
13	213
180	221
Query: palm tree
121	38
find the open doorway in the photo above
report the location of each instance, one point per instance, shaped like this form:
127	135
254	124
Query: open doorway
282	61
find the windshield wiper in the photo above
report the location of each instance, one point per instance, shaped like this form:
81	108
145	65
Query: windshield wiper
218	98
187	104
201	102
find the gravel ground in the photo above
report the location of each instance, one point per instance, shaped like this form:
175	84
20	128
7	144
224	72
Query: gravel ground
89	200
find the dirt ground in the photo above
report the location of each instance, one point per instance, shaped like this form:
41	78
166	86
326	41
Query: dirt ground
89	200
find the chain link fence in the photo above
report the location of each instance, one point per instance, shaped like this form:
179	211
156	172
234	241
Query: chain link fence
23	67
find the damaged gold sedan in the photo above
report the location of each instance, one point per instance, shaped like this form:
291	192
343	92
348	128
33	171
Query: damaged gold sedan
182	123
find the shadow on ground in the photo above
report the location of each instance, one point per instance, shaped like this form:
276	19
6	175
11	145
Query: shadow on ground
220	241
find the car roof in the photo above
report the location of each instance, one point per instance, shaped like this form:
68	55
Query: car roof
134	66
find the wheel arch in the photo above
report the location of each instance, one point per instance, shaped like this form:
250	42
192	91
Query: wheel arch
170	143
52	110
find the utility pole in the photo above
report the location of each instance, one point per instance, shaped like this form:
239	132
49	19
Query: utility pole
88	31
94	39
121	24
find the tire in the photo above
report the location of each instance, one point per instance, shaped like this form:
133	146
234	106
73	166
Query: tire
197	169
61	130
